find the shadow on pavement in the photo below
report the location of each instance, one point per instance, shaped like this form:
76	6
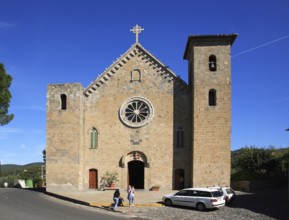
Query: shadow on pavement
271	202
43	190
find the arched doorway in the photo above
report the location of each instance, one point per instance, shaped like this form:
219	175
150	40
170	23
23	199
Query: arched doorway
93	179
136	174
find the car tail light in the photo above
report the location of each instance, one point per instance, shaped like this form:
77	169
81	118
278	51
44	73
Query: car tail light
214	200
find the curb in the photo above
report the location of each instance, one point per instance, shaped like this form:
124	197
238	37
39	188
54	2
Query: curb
126	205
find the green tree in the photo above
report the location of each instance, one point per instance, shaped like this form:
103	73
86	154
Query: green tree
5	96
250	163
44	155
284	161
255	160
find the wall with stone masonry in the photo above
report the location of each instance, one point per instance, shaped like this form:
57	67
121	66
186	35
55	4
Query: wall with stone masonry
63	135
204	156
155	140
212	124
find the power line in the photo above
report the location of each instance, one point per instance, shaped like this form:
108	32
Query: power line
262	45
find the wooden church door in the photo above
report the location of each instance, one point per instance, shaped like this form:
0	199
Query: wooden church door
93	179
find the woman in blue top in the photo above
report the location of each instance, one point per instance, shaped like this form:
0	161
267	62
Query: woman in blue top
130	195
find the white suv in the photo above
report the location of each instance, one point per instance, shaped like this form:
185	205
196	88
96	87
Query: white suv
228	193
200	198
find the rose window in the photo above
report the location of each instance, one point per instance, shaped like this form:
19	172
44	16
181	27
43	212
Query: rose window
136	112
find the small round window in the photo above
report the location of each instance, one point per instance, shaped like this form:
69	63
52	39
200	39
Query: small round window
136	112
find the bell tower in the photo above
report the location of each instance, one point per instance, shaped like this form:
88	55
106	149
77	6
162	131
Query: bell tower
209	72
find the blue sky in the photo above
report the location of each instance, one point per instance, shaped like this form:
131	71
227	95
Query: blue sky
63	41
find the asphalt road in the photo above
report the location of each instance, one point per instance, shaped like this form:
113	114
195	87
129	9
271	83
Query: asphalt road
20	204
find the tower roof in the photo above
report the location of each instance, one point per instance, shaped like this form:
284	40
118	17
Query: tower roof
193	39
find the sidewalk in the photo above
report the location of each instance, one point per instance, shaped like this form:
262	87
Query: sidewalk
105	198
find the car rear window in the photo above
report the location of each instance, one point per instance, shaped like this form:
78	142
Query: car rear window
216	194
229	191
204	194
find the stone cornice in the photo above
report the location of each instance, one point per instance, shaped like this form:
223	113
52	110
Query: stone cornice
135	50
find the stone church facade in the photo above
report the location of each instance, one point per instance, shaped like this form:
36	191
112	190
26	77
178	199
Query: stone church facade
143	122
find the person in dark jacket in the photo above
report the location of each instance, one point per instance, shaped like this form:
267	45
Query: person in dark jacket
116	197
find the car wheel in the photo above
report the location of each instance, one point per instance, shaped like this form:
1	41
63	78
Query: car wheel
201	206
168	202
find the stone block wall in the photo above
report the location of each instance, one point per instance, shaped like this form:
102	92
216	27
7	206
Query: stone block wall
211	132
203	159
63	135
117	140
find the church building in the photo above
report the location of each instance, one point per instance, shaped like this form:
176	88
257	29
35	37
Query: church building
142	122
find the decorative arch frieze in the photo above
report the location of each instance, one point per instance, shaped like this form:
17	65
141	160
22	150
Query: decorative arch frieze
134	155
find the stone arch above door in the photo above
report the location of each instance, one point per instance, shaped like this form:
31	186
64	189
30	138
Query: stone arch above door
134	155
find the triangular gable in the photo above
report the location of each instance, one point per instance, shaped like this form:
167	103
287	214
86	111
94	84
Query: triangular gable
135	50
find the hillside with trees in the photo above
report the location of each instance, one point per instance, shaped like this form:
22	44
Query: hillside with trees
11	172
253	163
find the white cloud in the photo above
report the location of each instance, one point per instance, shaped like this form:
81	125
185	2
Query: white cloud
33	107
275	101
6	132
5	25
23	146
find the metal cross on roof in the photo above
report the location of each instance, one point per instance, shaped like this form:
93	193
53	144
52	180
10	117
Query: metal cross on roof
137	30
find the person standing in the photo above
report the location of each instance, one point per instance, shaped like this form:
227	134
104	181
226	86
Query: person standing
130	195
128	191
116	197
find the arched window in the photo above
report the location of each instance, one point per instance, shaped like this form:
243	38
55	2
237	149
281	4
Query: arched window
93	138
135	75
180	137
212	97
213	63
63	101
